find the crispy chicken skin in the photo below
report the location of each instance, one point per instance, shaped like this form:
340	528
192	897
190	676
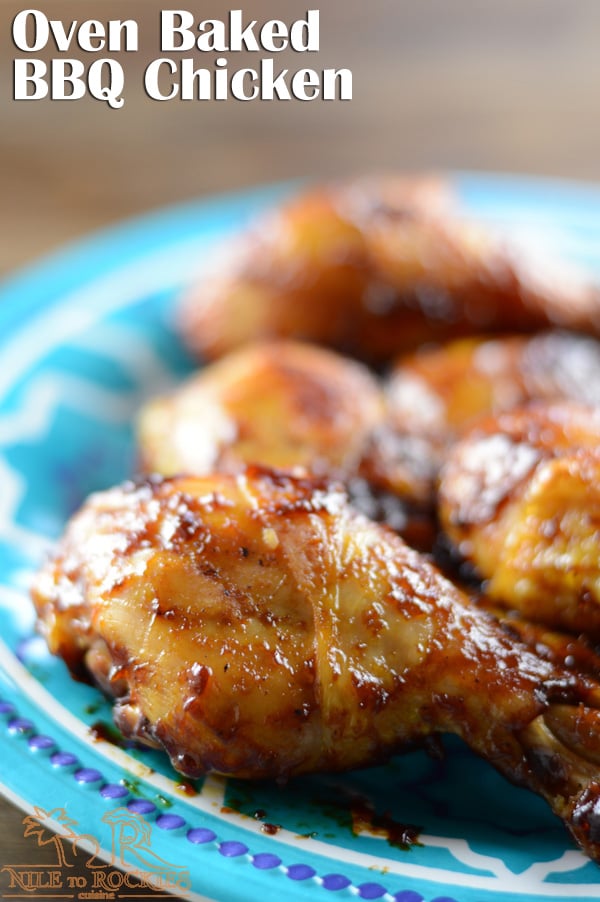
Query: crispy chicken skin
256	625
437	393
287	405
282	404
577	654
374	267
520	498
434	395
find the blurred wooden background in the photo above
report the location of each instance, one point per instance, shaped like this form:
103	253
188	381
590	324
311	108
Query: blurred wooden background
511	86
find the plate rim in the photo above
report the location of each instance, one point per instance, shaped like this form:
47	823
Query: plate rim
29	284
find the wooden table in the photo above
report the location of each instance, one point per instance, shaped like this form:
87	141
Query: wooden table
509	86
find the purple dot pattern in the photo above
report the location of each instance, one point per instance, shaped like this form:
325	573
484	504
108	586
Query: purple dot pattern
40	742
113	791
87	775
170	822
20	725
371	891
263	861
21	650
335	882
141	806
300	872
233	849
63	759
201	835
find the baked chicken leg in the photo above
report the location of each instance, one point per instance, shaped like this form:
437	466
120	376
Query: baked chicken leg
520	499
280	403
256	625
287	405
438	393
374	267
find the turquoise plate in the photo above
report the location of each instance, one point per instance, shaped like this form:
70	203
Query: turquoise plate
86	336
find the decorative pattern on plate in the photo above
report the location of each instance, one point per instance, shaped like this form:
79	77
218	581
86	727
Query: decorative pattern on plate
85	338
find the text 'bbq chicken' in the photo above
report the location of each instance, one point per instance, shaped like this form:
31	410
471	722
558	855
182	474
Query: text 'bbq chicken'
377	266
520	499
256	625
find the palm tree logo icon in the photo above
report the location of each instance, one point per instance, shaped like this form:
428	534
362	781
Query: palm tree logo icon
36	825
130	850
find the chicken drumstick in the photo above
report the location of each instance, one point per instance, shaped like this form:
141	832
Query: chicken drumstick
377	266
520	499
256	625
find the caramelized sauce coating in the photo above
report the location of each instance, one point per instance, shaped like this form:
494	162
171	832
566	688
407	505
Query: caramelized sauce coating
290	405
287	404
374	267
520	499
438	393
574	653
282	404
254	624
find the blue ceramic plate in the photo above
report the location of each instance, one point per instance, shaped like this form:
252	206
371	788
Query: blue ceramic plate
85	337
